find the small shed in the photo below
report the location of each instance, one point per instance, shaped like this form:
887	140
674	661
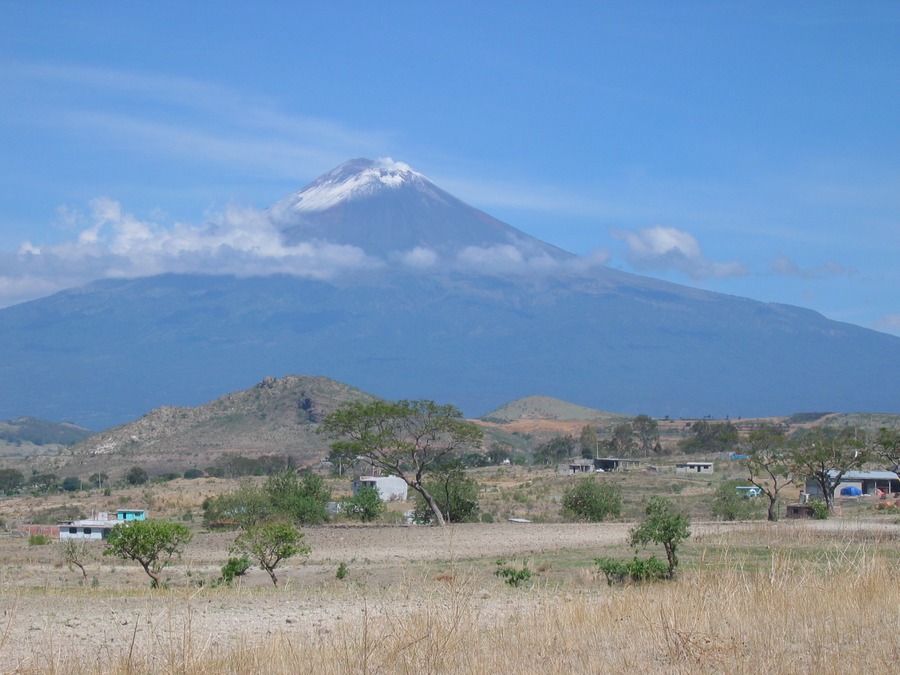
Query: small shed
581	466
800	511
694	467
127	515
390	488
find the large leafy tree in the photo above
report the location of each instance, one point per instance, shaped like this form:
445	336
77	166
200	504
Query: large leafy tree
770	463
825	454
404	438
152	543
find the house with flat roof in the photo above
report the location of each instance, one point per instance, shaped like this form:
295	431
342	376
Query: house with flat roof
694	467
615	464
867	482
390	488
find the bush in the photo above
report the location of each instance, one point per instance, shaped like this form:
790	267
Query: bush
820	509
662	525
235	567
39	540
637	569
342	571
729	505
514	576
190	474
455	493
71	483
136	476
592	501
365	505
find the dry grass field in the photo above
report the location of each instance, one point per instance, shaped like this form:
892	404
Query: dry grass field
794	597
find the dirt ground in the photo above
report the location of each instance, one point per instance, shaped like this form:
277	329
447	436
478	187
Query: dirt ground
51	621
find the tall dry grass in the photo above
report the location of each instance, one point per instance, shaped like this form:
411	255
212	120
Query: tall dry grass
807	605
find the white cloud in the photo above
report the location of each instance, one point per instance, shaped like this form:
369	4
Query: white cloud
419	258
785	267
112	243
890	323
662	248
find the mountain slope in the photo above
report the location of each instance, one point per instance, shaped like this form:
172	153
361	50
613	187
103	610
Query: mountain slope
277	416
108	352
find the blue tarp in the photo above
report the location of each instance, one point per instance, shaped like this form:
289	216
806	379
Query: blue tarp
850	491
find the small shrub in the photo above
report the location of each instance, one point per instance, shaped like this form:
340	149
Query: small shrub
342	571
820	509
592	501
513	576
235	567
636	569
39	540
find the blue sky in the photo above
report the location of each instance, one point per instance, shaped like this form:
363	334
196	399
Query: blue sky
746	148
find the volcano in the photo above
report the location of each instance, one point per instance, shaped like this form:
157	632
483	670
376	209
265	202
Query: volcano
453	305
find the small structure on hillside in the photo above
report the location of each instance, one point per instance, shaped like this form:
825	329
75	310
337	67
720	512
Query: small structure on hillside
694	467
88	528
576	466
390	488
868	483
800	511
602	464
127	515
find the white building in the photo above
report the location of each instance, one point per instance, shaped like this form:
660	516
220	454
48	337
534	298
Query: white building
694	467
89	528
390	488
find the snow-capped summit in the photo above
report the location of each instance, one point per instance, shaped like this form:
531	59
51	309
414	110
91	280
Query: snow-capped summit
356	179
385	207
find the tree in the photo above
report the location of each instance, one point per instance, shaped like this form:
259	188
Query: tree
770	464
662	525
152	543
271	543
71	483
887	446
11	480
406	438
365	505
136	476
44	482
98	479
303	499
592	501
76	553
589	442
245	507
455	493
708	437
555	450
729	505
646	431
622	442
825	454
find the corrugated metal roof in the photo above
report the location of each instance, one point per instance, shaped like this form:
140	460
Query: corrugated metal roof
866	475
